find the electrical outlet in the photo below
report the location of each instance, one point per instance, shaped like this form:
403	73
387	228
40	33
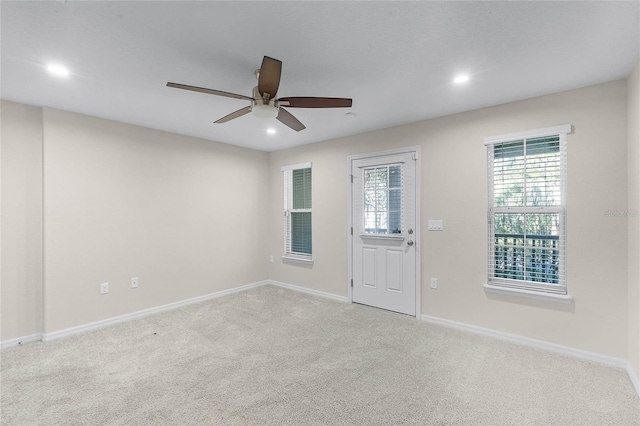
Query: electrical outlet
104	288
270	259
134	282
434	283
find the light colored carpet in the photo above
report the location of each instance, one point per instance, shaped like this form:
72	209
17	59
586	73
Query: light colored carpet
273	356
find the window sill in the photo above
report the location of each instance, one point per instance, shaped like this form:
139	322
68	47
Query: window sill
559	298
304	260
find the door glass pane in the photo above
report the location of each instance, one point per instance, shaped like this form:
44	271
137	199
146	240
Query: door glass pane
381	223
370	223
381	177
369	200
394	222
395	178
369	178
383	200
394	199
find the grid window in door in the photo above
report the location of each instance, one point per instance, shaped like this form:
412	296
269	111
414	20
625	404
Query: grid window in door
297	211
383	200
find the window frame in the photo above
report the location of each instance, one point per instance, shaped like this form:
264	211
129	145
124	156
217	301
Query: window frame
389	208
289	254
539	290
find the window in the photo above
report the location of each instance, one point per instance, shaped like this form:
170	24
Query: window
383	200
297	212
526	211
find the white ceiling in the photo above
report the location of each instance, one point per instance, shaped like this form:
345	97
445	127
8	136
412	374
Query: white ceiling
395	59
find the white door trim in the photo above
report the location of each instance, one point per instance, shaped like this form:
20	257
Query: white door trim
350	160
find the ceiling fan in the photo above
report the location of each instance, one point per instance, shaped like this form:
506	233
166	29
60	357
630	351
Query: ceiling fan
264	103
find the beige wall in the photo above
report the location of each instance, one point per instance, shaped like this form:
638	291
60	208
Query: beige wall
120	201
454	189
123	201
633	100
21	291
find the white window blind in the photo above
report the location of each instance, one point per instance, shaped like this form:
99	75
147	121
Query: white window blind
526	211
297	211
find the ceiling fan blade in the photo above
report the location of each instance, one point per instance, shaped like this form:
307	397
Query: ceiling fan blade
309	102
235	114
269	77
209	91
286	118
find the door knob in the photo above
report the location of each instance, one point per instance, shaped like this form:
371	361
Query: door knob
410	243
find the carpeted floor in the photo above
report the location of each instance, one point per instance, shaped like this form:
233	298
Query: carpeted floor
274	356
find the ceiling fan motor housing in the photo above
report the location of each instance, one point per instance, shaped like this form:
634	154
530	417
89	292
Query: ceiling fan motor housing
263	107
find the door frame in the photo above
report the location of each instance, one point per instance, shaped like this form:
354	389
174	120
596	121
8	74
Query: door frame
417	239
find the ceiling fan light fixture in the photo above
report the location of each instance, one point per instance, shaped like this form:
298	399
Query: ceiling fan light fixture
264	111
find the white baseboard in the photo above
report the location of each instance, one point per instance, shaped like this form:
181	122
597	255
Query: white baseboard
21	340
565	350
309	291
45	337
134	315
634	378
539	344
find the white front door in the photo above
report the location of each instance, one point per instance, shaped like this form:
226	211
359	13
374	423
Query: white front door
384	250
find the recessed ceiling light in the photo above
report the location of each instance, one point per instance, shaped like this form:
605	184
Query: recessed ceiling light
463	78
58	70
271	131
